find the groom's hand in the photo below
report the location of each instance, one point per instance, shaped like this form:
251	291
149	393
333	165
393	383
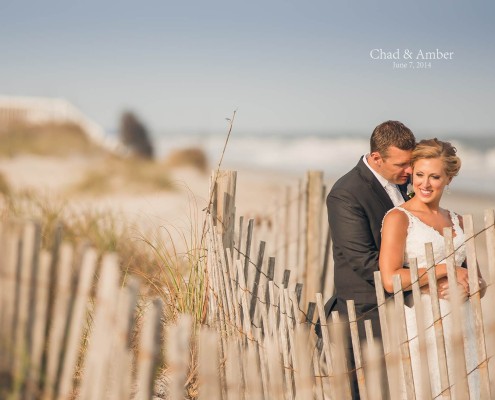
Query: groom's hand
444	292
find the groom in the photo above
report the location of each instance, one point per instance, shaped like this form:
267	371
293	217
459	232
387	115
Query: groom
356	206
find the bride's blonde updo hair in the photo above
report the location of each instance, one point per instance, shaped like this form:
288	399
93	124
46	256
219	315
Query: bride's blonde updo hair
434	148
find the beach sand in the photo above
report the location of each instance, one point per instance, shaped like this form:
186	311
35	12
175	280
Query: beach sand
259	193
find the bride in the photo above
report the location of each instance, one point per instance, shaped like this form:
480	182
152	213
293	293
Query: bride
405	231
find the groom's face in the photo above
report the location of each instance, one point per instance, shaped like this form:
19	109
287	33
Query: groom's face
395	166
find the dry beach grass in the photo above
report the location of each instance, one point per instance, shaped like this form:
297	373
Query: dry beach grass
148	212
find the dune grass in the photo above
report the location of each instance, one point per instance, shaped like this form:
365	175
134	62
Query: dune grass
170	261
49	139
4	185
116	174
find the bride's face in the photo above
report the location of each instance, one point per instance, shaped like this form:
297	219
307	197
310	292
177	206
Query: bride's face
429	179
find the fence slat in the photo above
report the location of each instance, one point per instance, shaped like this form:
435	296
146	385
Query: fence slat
244	300
475	299
148	350
356	348
86	275
233	371
438	322
303	373
490	242
39	328
257	276
460	387
178	355
254	387
30	260
233	290
314	207
98	357
121	371
343	388
247	254
285	347
373	365
59	319
423	368
325	336
403	340
275	367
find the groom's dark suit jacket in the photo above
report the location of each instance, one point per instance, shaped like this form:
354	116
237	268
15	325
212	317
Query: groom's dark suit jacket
356	206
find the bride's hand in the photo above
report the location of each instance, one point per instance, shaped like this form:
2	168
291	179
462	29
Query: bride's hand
462	278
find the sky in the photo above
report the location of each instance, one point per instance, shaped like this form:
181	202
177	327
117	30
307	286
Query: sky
285	66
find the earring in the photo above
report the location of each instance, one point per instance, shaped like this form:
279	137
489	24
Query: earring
447	189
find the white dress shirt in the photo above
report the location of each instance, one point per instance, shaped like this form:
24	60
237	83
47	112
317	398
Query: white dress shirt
391	188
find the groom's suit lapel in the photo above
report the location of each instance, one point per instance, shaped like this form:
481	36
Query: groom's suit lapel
374	185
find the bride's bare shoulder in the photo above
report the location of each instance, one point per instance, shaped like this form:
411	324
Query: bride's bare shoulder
396	217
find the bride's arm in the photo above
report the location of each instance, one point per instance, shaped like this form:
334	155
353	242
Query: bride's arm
391	261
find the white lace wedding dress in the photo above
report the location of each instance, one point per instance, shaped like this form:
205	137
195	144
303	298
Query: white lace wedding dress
419	233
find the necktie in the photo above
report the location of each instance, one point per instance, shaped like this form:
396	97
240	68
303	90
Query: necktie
394	194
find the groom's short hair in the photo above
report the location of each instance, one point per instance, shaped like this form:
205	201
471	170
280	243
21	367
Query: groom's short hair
391	133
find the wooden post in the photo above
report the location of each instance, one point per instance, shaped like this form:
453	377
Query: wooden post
356	347
459	359
233	290
60	317
475	299
254	384
438	323
149	350
272	314
178	354
257	276
247	254
425	388
233	371
403	340
244	300
285	347
302	373
224	280
42	283
263	363
327	275
287	228
208	365
86	275
122	368
343	388
386	339
373	364
99	350
223	210
275	367
285	279
490	242
299	231
325	336
290	320
29	256
32	242
314	207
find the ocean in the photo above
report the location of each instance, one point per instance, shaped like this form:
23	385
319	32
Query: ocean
333	154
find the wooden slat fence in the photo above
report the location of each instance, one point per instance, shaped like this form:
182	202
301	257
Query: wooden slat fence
66	322
57	341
